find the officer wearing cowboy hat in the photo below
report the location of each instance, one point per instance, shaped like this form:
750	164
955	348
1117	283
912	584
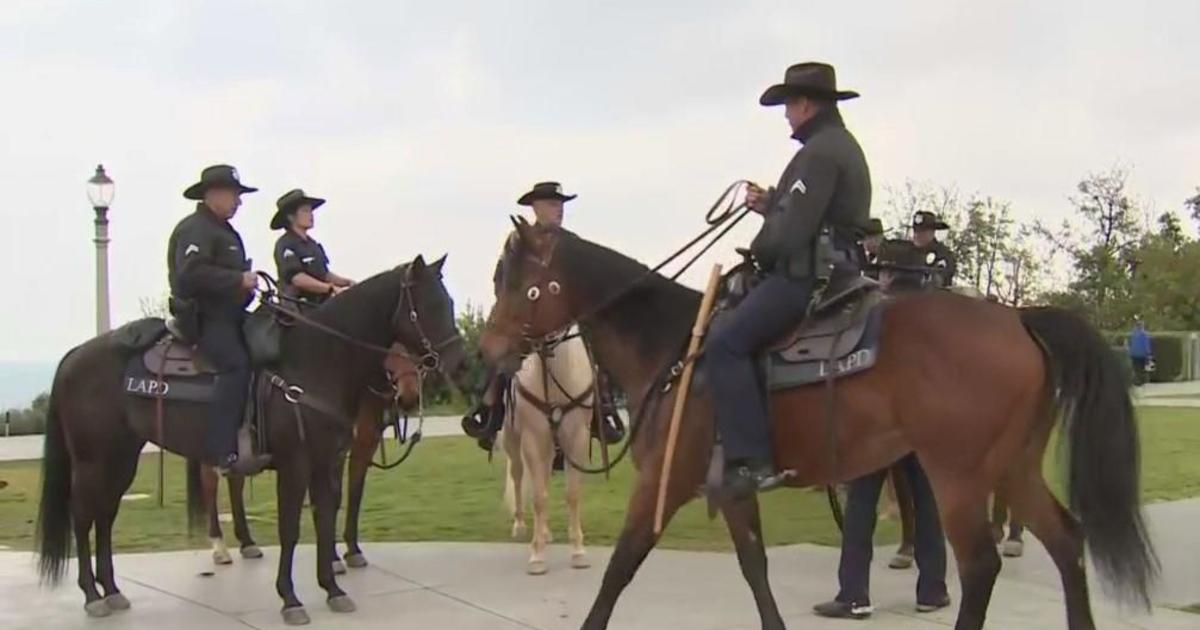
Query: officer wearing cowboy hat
547	200
211	285
825	187
301	262
934	254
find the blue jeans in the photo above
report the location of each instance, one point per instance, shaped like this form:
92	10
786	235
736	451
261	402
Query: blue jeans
221	344
854	568
771	309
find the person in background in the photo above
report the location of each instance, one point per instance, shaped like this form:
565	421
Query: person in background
1140	352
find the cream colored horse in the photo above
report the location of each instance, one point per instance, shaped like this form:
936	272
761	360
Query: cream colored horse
528	441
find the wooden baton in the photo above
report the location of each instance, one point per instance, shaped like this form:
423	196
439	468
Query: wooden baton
682	391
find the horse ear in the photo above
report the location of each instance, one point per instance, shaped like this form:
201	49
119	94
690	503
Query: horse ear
418	263
524	232
437	264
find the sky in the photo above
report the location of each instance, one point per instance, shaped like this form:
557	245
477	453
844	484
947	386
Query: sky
422	122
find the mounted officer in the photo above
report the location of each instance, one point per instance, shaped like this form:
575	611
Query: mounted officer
824	190
301	262
942	262
548	202
211	285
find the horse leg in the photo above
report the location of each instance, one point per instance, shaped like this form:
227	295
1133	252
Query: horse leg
1060	533
85	491
365	443
577	444
515	488
964	513
637	537
339	472
324	490
745	528
999	515
210	485
903	558
241	527
538	454
123	469
291	480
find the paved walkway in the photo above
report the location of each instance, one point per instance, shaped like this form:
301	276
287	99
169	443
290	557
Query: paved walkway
483	586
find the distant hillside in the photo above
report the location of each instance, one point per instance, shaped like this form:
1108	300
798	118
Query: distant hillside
20	381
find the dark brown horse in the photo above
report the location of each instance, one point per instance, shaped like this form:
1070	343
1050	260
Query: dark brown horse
404	394
974	388
95	432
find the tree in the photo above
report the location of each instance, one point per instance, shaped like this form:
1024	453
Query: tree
1101	246
1193	205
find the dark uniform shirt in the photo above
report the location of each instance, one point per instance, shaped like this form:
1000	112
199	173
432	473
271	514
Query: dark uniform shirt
826	183
296	254
942	262
205	262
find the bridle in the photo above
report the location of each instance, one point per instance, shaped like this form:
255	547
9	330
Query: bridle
726	211
428	361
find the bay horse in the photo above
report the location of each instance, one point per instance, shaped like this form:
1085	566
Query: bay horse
974	388
95	432
403	393
553	400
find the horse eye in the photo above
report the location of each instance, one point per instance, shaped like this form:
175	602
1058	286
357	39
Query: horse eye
554	287
533	294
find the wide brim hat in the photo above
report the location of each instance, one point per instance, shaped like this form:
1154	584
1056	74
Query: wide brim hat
925	220
288	203
216	176
544	190
813	79
874	228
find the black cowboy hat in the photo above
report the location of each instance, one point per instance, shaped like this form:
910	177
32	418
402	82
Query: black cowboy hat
216	176
874	228
544	190
288	203
810	78
926	220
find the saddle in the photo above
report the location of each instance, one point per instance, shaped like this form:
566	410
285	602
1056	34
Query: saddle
840	334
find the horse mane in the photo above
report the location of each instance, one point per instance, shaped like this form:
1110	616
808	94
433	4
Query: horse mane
654	312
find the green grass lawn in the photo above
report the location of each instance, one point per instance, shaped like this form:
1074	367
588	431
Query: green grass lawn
448	491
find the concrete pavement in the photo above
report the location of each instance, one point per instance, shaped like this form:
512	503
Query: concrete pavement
467	586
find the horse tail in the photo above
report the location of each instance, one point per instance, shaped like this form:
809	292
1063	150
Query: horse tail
1102	444
197	508
54	511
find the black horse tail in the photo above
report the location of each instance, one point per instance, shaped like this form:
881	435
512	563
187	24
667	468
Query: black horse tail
54	512
197	510
1101	437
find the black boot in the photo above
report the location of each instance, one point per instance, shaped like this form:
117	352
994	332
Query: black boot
746	477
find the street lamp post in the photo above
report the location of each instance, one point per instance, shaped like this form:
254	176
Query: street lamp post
100	192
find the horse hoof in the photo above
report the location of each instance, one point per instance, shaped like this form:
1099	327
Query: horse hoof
900	561
355	561
97	609
518	531
295	616
117	601
1012	549
339	567
222	557
536	567
251	552
342	604
580	561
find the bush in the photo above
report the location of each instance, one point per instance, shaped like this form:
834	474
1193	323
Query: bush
1170	355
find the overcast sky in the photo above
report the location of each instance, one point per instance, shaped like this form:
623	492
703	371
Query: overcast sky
422	122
